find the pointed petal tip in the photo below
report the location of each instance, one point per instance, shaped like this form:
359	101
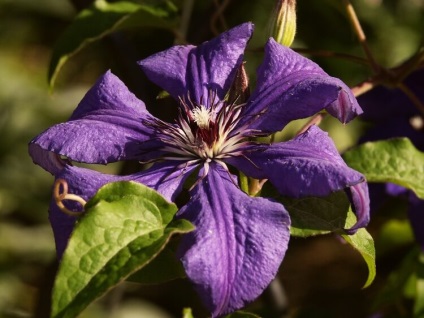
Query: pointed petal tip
361	205
345	108
46	159
247	28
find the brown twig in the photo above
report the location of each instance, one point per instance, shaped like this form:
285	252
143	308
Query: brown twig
315	120
353	18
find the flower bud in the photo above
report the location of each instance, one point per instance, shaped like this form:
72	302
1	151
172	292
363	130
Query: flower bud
239	91
284	23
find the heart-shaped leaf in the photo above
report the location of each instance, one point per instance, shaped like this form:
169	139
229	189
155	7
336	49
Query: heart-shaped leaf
125	226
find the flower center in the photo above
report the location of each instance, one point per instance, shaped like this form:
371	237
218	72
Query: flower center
202	133
202	116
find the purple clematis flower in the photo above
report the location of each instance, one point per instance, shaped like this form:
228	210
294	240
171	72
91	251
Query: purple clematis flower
239	241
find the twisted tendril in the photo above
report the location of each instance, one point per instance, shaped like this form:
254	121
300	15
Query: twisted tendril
59	197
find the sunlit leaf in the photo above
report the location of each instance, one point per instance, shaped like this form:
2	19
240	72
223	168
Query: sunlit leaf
125	226
102	19
363	242
394	160
312	216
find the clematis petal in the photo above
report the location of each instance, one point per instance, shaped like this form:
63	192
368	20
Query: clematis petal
290	86
238	244
168	68
195	71
109	93
81	182
166	178
105	127
361	203
308	165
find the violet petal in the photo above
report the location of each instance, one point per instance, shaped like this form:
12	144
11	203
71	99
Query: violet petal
361	205
105	127
308	165
290	86
238	244
166	178
195	71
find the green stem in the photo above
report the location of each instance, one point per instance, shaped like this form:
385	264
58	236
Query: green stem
244	182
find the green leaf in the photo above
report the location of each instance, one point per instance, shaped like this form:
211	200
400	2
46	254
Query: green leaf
314	216
321	215
102	19
125	226
363	242
395	160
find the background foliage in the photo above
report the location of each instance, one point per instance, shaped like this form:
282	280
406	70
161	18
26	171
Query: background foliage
321	277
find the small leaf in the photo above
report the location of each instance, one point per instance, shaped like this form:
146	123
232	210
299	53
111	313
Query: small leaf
100	20
125	226
321	215
394	160
363	242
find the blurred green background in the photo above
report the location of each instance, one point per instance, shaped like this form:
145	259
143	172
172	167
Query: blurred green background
321	277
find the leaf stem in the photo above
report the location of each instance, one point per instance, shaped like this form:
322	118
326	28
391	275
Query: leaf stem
363	87
255	186
315	120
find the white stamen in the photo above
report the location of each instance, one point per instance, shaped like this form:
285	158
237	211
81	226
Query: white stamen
202	116
203	134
